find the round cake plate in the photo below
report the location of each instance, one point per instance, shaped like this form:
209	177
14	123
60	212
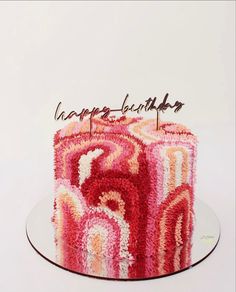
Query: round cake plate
40	233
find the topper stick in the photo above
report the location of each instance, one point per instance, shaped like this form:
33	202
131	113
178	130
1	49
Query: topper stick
90	126
158	120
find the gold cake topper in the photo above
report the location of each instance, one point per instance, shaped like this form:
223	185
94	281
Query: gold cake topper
148	105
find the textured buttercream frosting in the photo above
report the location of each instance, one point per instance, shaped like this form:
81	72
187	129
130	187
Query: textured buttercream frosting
124	191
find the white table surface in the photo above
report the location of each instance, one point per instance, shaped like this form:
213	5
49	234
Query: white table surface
83	54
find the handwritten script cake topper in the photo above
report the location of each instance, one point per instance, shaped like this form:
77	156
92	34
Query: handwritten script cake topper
149	105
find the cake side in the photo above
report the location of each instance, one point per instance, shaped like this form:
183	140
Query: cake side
124	192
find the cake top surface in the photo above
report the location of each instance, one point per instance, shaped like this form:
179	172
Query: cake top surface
144	129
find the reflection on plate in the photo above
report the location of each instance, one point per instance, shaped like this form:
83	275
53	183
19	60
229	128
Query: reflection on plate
40	233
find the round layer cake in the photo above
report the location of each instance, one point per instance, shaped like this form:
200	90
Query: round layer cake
124	196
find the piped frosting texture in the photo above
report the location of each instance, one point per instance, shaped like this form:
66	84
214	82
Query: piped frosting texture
125	191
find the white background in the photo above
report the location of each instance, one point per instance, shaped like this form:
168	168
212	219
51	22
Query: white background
93	53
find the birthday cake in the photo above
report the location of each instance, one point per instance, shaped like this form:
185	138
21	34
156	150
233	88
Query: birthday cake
124	196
